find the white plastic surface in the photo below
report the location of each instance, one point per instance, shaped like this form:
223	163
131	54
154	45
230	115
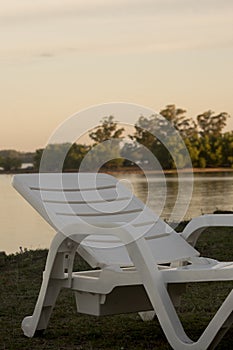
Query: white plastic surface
114	236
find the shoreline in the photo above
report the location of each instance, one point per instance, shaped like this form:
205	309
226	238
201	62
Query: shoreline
170	171
134	170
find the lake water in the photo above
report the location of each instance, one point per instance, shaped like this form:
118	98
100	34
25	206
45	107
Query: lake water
21	226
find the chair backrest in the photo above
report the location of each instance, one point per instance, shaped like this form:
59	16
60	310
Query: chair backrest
99	199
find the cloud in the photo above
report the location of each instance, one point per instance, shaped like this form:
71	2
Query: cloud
46	54
52	28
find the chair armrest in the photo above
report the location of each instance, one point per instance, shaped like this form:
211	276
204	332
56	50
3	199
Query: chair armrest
196	226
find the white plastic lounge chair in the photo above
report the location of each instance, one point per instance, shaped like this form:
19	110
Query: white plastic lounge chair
143	262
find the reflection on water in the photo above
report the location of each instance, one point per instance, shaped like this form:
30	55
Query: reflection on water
22	226
210	192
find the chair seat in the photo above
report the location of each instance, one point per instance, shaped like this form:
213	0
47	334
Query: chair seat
104	281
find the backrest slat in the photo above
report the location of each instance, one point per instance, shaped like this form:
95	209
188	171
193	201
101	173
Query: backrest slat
108	194
94	208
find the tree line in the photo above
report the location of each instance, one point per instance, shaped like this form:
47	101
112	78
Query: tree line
13	160
207	144
153	137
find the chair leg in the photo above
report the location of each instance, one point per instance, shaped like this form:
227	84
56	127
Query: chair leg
59	261
222	331
147	315
164	308
38	322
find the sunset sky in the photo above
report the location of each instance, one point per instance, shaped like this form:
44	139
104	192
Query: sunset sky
57	57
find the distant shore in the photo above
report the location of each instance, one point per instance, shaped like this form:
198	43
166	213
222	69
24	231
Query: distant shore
134	170
168	171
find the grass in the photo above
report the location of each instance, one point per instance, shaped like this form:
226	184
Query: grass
20	279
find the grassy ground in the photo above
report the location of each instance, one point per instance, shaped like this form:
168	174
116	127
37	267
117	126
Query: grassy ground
20	279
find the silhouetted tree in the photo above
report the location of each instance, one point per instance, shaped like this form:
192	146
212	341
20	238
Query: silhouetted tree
106	131
10	163
211	124
37	158
158	133
75	155
62	156
177	117
106	148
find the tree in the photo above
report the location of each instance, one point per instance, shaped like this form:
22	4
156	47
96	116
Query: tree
210	151
10	163
149	132
62	156
75	155
193	147
10	153
146	129
37	158
158	133
212	143
211	124
131	154
177	117
14	159
227	149
106	149
52	157
10	160
106	131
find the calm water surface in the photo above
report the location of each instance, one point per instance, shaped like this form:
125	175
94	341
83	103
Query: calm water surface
21	226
